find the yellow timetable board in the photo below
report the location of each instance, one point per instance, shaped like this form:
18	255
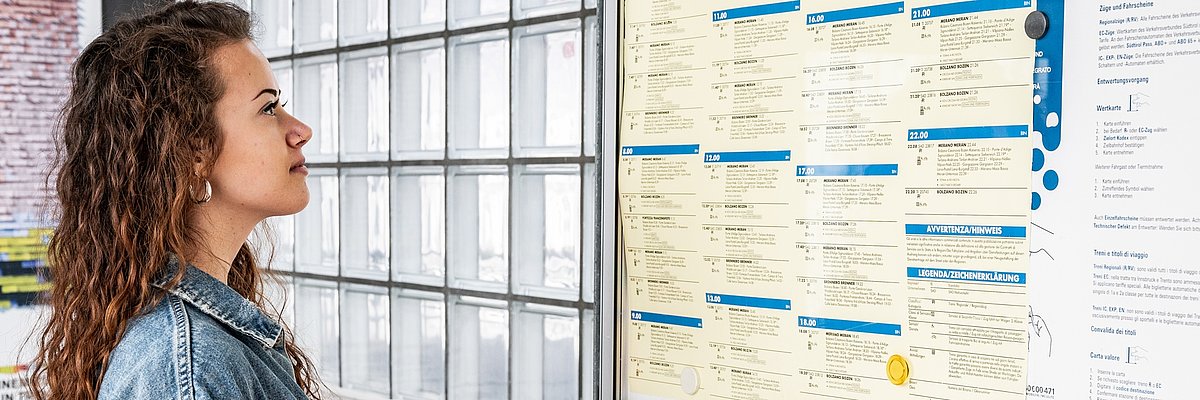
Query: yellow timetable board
824	199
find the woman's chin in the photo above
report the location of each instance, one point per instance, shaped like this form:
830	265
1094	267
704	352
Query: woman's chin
292	205
298	206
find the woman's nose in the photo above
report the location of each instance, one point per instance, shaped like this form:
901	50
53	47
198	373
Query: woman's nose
298	132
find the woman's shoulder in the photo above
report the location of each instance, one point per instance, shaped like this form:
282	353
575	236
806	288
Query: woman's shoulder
142	364
177	326
175	351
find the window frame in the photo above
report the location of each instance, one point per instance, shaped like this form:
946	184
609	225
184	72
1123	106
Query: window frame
590	369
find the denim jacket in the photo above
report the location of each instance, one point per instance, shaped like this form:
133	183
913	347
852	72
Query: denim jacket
203	341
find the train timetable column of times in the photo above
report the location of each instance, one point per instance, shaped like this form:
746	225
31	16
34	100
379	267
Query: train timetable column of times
754	70
966	172
853	80
968	115
750	315
848	288
665	72
847	189
662	114
659	222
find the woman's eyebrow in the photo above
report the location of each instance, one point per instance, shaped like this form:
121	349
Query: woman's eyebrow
269	91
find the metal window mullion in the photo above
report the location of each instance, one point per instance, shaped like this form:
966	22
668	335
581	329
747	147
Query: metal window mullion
579	293
440	289
512	138
510	162
447	305
337	39
444	34
391	314
341	181
580	327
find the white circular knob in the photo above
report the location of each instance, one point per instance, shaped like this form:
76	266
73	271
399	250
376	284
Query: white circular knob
689	380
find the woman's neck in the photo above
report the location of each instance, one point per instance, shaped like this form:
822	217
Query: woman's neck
222	234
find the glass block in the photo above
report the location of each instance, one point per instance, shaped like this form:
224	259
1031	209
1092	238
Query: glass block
365	230
478	210
274	242
362	21
590	231
279	298
546	221
412	17
419	223
419	345
464	13
276	19
589	4
317	227
537	8
587	365
591	85
364	105
479	94
479	349
317	25
284	78
547	89
419	112
317	326
366	337
316	86
545	352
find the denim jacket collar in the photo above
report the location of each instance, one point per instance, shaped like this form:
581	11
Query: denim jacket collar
221	302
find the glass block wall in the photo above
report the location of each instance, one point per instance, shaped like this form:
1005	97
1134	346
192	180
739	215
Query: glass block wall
448	247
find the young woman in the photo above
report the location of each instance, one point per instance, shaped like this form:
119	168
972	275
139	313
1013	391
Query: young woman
173	147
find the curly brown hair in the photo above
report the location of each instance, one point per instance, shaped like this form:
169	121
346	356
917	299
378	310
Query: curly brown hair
139	116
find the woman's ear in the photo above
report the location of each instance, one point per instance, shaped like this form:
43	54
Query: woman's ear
200	167
203	161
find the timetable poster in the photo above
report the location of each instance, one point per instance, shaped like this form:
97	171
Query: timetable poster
809	188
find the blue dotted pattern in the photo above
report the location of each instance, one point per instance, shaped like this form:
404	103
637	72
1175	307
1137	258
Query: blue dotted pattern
1047	92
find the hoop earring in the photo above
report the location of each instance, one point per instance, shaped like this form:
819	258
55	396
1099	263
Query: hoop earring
207	193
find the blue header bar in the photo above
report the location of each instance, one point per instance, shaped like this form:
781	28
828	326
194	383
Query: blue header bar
965	230
856	13
746	301
660	150
847	170
688	322
748	156
969	132
966	7
1015	278
850	326
754	11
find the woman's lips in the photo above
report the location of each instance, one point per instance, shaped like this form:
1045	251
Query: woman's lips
299	167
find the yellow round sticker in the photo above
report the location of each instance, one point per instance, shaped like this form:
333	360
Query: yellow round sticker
897	369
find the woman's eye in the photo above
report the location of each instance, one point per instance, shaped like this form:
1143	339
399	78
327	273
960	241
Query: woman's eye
270	108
